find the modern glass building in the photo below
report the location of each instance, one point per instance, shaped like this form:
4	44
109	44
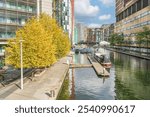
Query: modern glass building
13	15
57	11
63	12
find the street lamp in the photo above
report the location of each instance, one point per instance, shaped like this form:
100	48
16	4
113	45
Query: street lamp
38	8
21	63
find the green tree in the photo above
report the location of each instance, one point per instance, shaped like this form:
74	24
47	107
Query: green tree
112	39
116	39
143	36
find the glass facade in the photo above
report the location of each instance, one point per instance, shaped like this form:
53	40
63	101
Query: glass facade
61	13
13	15
57	11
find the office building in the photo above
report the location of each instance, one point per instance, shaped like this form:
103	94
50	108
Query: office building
131	17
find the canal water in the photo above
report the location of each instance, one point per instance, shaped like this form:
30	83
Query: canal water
129	80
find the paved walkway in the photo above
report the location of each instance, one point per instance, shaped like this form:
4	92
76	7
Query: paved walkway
44	87
130	53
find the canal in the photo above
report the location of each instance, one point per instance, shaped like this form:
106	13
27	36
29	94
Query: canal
129	80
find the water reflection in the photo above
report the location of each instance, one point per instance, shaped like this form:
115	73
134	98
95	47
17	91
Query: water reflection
72	84
65	94
80	59
129	79
89	86
132	77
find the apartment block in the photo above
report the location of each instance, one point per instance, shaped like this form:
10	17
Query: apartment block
63	12
13	15
94	35
103	33
80	32
57	11
107	31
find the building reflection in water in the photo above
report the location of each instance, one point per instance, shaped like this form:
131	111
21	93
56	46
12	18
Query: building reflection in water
129	79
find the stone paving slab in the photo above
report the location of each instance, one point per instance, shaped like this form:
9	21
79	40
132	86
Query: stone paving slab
42	87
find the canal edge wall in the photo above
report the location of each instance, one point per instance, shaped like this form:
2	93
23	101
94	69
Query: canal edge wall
130	54
62	82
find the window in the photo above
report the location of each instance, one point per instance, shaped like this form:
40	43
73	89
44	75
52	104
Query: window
139	5
117	18
29	8
11	17
22	7
10	31
11	5
1	4
133	8
126	13
129	11
145	3
2	31
121	16
21	19
2	17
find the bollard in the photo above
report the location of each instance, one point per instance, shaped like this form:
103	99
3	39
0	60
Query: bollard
103	70
67	62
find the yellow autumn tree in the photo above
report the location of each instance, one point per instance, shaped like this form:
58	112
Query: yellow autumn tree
38	48
43	43
59	37
63	45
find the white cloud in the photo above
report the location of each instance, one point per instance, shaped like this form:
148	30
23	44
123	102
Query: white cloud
105	17
94	25
85	8
108	2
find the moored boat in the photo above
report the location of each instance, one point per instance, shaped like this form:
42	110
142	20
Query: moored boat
103	59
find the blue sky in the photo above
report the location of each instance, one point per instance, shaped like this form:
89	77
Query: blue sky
95	12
